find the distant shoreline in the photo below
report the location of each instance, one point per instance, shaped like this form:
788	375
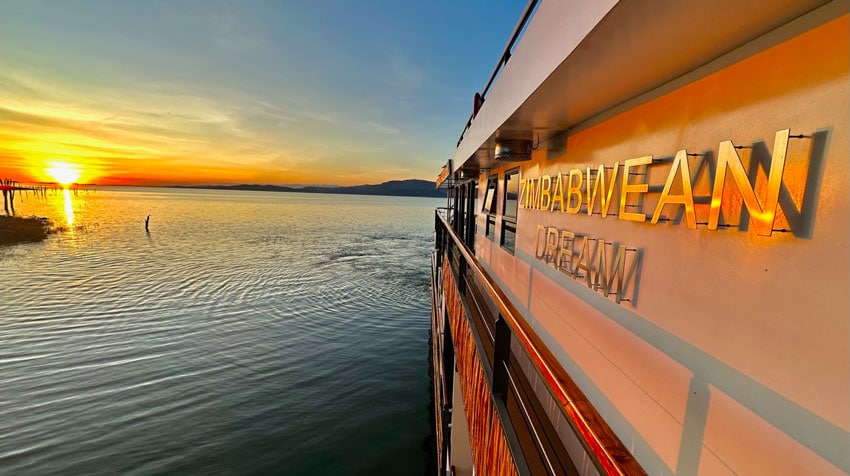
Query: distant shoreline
395	188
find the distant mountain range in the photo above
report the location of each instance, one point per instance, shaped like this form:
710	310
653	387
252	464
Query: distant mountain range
405	188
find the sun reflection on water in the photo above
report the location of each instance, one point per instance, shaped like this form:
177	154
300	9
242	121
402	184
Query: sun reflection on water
69	207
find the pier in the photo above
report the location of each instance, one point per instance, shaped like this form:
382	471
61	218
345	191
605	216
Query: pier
14	229
11	187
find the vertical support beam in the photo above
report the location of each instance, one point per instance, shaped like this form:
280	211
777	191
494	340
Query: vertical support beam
448	358
470	216
461	276
463	214
437	238
457	209
501	357
448	363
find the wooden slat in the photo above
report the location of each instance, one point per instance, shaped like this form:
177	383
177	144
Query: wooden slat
490	451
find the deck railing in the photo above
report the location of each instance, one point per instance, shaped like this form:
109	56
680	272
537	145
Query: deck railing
503	60
544	414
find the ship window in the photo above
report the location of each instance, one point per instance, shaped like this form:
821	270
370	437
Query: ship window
511	193
509	212
471	214
475	198
491	194
489	208
459	206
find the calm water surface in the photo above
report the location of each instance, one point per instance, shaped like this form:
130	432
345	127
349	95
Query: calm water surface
248	333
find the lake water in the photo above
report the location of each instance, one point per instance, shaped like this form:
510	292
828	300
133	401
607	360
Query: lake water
247	333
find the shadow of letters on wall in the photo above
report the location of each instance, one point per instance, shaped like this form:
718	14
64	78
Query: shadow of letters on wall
738	187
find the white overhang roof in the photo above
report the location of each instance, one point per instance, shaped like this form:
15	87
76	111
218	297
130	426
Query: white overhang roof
579	59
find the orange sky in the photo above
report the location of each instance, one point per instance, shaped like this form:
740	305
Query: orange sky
153	93
133	138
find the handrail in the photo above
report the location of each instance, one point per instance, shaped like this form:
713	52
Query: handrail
608	452
503	60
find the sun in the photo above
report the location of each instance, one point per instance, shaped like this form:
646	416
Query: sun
63	173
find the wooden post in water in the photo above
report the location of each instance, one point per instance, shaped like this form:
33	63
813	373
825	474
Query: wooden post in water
5	183
12	184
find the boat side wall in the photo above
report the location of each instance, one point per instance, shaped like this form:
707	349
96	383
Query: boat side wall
729	353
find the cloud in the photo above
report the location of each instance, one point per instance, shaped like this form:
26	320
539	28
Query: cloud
182	132
221	22
404	74
383	128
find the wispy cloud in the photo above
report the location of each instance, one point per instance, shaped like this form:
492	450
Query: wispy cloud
404	73
219	21
183	132
383	128
216	90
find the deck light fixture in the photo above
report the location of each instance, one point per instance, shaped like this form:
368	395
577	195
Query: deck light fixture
512	150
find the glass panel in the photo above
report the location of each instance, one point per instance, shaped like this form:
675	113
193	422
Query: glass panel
494	181
488	199
509	239
491	228
511	193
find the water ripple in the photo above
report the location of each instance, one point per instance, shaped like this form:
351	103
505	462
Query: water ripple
249	332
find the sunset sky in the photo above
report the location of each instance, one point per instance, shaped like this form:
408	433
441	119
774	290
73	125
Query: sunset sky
203	91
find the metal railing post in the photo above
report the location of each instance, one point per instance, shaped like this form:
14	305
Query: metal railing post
501	357
503	60
461	276
440	238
